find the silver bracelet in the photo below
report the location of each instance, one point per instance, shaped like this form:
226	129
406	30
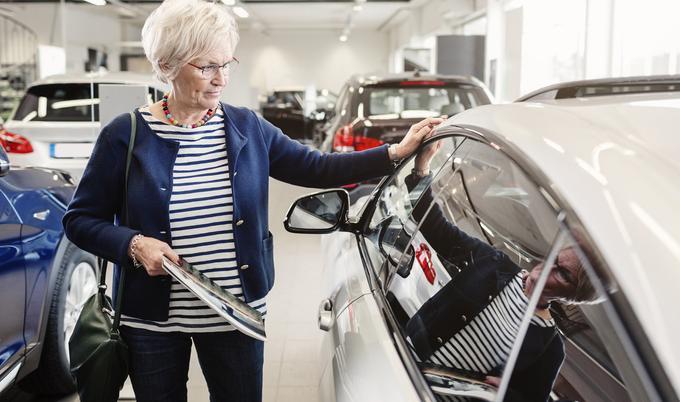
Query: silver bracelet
133	250
420	173
392	151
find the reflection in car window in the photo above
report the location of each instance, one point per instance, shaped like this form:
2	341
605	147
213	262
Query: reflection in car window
388	235
465	294
589	372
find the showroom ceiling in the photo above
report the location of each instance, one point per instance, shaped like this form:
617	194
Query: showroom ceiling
266	15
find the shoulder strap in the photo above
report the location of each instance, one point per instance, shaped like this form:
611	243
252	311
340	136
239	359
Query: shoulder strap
103	263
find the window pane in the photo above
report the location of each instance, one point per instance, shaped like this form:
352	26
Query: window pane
420	101
460	287
62	102
390	228
584	318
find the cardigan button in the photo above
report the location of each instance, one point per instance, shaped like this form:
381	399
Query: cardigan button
440	340
245	266
490	297
463	317
240	222
163	189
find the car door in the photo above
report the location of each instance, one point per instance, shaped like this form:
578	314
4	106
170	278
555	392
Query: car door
359	360
12	285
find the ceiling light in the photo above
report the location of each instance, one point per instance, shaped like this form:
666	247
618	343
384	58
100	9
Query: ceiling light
241	12
229	2
343	38
97	2
357	7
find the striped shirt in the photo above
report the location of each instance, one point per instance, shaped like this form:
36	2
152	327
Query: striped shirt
201	228
485	343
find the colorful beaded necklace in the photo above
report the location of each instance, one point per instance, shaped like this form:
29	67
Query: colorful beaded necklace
174	122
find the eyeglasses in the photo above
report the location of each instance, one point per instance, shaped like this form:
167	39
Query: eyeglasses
564	273
209	71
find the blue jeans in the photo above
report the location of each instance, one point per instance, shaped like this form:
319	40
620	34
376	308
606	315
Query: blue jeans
159	365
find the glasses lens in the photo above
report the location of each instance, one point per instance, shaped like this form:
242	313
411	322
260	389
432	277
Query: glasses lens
209	71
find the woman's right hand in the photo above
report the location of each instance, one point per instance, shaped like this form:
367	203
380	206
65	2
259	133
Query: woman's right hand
149	252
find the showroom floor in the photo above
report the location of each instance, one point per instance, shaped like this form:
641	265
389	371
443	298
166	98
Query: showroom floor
291	370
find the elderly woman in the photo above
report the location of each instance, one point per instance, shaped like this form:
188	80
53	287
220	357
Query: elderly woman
469	324
198	190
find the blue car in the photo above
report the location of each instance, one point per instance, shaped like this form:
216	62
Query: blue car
44	279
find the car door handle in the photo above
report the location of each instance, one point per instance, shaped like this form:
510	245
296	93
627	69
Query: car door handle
326	316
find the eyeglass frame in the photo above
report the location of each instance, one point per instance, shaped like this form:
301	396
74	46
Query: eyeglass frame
228	65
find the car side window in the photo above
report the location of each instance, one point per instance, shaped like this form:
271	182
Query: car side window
597	364
391	222
459	291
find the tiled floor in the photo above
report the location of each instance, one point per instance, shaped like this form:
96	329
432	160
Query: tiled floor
291	369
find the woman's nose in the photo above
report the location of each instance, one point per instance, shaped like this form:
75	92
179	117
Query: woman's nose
220	79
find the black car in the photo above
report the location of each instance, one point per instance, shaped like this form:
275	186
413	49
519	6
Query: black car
297	114
375	110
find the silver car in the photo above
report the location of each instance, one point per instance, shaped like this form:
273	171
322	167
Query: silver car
56	122
593	177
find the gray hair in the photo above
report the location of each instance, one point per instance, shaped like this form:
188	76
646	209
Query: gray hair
179	31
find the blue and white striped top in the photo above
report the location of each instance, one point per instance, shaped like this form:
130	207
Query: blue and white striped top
201	214
485	343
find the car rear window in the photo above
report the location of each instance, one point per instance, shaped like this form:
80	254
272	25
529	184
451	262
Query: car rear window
59	102
420	101
63	102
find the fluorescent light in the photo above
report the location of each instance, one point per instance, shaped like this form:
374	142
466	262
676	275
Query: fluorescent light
229	2
343	38
357	7
97	2
241	12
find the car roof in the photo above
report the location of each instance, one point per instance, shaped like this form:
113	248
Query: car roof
373	79
614	161
638	84
107	77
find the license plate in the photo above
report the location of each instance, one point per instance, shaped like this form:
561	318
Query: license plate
71	150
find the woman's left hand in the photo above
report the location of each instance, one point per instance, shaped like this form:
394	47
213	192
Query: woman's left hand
416	134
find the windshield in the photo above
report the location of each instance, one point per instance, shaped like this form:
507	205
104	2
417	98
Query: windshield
421	101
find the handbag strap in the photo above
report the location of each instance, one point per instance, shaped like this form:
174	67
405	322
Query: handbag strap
102	262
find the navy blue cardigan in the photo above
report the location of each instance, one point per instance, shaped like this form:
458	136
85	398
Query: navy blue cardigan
256	150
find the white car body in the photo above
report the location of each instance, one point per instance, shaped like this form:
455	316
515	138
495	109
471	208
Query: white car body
74	138
613	161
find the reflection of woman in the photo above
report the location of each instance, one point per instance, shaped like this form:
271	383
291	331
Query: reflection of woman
198	188
472	321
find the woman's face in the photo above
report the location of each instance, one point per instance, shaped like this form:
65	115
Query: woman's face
561	282
194	90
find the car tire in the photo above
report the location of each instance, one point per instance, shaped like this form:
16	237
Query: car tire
77	280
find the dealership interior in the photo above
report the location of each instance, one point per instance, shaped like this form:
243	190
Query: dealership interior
548	158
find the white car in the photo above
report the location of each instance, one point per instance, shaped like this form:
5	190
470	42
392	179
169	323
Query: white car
56	122
596	176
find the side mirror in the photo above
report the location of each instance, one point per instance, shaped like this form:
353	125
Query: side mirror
4	162
322	212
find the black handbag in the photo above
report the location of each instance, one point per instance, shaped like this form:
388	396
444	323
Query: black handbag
99	356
